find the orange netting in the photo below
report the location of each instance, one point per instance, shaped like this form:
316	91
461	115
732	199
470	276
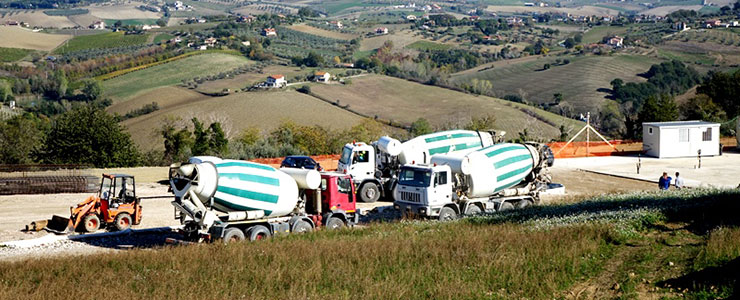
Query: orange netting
600	148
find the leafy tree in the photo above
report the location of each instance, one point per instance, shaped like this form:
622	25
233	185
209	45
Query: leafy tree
570	43
92	89
118	24
306	89
337	60
420	127
6	92
22	139
578	38
217	141
546	67
161	23
483	123
724	90
557	98
307	12
87	135
200	144
563	133
657	109
703	108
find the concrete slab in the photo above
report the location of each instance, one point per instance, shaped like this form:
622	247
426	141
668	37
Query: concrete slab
717	171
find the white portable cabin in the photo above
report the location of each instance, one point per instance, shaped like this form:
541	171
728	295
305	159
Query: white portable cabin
680	139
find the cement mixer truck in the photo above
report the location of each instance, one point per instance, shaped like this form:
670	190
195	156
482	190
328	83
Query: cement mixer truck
374	166
234	200
498	177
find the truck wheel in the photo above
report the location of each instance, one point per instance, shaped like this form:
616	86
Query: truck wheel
334	223
506	206
447	214
90	223
369	192
258	233
233	235
302	226
523	203
122	222
473	210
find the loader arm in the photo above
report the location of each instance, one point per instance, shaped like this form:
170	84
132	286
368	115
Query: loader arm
82	209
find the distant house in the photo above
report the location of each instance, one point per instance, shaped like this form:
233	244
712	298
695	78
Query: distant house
680	26
321	76
337	24
411	17
474	18
712	23
615	41
210	42
381	30
276	81
177	39
202	47
11	23
436	7
269	32
246	43
514	21
528	3
98	25
245	19
345	65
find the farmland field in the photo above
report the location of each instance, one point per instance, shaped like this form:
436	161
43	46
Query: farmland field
664	10
427	45
400	39
322	32
579	81
577	11
251	78
16	37
404	101
595	34
128	85
131	22
37	18
264	110
13	54
120	11
101	41
162	37
66	12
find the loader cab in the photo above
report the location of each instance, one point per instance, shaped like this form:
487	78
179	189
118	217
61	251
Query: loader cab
357	160
117	188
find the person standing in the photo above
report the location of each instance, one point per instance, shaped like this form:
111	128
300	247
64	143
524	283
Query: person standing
679	182
664	182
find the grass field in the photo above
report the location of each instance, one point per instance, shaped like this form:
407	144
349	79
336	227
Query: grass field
236	112
162	37
251	78
128	85
586	10
404	101
66	12
644	246
13	54
427	45
101	41
579	81
16	37
595	34
37	18
113	10
322	32
400	39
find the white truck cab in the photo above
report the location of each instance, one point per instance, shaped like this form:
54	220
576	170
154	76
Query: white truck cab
357	160
424	189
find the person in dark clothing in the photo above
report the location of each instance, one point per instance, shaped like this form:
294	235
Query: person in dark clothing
664	182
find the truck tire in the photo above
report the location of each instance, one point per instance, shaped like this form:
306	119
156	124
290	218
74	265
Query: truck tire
369	192
258	233
90	223
505	206
233	235
447	214
473	210
122	222
334	223
302	226
523	204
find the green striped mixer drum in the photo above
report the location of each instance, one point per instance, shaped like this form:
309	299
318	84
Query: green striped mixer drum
499	167
236	185
419	150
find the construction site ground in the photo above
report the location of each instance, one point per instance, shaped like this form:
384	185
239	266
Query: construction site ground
16	211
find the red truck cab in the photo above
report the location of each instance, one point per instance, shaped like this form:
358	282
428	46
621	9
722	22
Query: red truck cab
337	206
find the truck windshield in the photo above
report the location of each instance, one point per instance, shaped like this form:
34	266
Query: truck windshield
415	177
346	154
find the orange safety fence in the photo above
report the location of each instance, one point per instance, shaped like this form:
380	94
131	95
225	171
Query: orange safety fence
328	162
600	148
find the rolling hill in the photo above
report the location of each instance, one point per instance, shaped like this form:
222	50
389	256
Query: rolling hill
403	101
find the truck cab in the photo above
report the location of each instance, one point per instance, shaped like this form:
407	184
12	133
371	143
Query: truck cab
425	190
336	205
360	161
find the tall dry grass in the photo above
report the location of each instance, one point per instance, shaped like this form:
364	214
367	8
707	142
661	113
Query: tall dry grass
417	260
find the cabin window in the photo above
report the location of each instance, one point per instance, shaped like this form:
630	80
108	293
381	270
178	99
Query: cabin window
650	130
361	157
706	136
343	185
441	178
683	135
323	184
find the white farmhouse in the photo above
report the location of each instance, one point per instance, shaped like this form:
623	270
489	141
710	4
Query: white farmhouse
680	139
276	81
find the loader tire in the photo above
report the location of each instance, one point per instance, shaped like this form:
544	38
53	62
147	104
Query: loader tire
369	192
233	234
122	222
90	223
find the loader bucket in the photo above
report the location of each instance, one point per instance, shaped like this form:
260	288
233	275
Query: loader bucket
37	225
60	225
